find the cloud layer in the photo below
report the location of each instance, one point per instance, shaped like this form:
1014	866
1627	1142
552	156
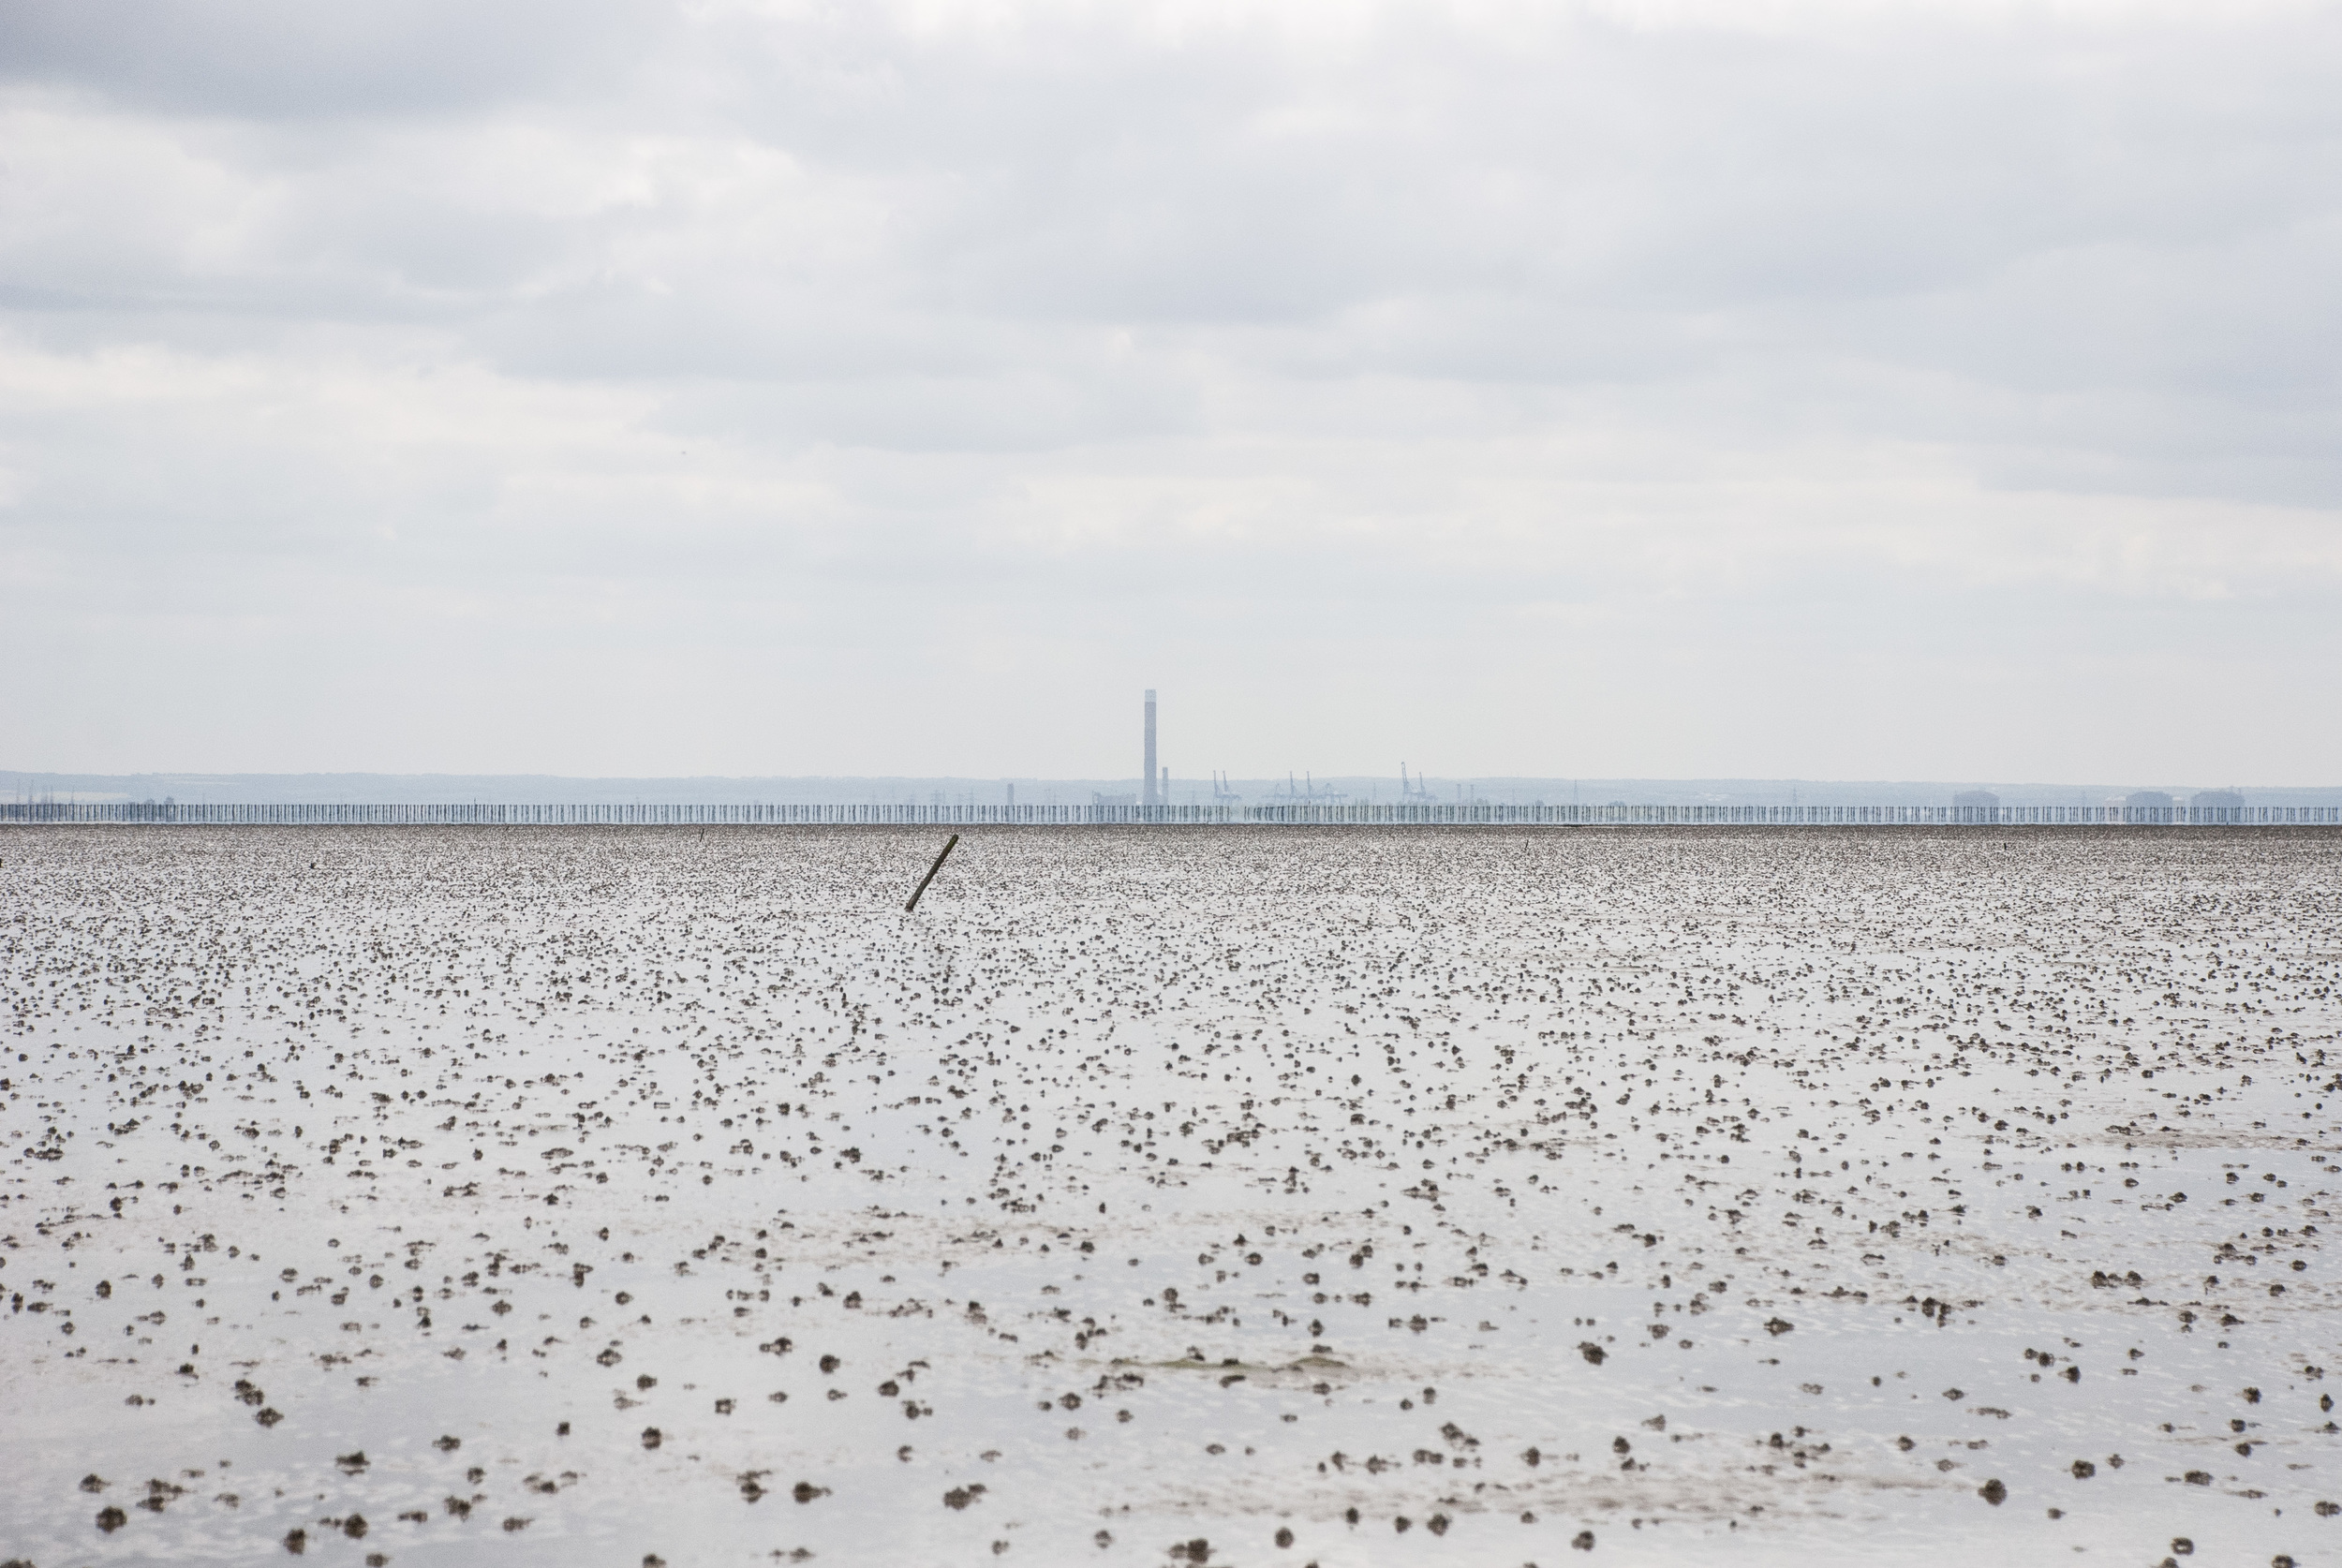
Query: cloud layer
1814	390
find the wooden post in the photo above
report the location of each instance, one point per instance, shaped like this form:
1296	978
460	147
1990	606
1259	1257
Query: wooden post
948	844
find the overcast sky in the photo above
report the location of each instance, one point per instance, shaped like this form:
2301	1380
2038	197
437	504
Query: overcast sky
1681	389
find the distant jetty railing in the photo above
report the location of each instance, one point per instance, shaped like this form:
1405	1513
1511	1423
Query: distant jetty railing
1457	814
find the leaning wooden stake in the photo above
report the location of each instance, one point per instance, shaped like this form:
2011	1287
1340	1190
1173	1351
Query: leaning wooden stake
931	875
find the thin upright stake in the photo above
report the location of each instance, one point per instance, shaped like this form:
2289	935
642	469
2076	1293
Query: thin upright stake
931	875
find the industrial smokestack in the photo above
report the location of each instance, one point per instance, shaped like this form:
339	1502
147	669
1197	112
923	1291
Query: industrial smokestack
1149	781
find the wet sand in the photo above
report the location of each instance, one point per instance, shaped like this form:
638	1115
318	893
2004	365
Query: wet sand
1241	1197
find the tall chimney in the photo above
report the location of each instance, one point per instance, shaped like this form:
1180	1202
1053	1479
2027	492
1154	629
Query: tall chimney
1149	798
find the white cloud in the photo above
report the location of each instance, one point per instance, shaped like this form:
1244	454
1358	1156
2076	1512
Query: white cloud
1522	380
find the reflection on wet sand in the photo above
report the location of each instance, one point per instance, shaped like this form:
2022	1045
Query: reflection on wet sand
1452	1196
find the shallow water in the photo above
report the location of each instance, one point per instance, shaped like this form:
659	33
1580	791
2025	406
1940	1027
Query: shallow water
511	1191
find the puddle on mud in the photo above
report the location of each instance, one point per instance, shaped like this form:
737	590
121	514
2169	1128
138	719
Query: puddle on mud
606	1195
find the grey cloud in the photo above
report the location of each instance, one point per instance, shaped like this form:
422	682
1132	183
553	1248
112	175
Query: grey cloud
288	61
1037	328
1984	198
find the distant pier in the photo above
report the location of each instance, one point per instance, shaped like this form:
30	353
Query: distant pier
1414	814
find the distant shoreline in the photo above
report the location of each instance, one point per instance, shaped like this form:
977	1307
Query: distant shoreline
1614	815
533	790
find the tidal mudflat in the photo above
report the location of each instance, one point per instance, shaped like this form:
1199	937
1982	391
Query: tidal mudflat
1231	1197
